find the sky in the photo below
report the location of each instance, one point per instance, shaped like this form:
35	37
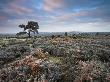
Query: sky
56	15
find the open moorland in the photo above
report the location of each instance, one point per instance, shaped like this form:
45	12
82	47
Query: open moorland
55	58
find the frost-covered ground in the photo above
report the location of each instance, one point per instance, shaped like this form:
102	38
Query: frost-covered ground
55	59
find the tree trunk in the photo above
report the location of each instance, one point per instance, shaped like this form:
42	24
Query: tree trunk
29	34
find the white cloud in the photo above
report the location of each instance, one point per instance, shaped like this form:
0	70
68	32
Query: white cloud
51	5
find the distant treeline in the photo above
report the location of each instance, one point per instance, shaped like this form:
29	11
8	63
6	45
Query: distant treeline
59	33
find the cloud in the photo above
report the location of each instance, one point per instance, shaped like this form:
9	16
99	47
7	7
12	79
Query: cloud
3	18
4	3
83	27
14	9
61	15
20	10
90	15
51	5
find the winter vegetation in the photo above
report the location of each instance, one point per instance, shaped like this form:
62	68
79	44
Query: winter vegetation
56	58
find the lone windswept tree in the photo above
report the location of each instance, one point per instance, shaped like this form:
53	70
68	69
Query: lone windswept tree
30	27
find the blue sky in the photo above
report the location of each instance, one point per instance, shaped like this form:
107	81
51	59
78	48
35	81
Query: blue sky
56	15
